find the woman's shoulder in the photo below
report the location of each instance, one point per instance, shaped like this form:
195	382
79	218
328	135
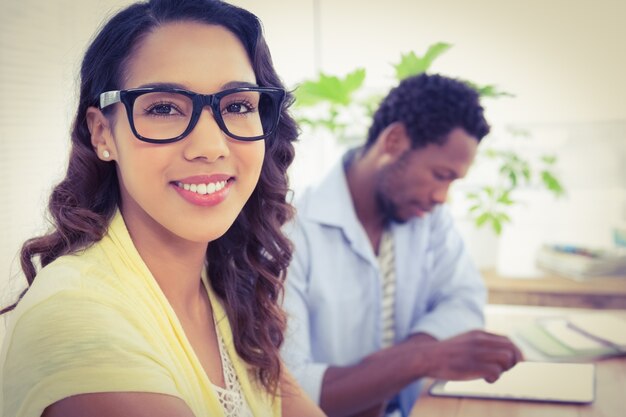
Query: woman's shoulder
75	332
72	290
77	307
85	272
86	295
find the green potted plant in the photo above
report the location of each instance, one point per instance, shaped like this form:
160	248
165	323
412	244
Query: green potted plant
333	103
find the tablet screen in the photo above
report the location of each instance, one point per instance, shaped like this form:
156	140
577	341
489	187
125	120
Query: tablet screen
532	381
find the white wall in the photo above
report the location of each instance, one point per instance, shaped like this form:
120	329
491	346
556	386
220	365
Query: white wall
41	43
563	59
592	166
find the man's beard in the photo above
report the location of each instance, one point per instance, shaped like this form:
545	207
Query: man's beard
388	209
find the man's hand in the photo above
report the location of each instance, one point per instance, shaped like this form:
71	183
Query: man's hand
367	386
471	355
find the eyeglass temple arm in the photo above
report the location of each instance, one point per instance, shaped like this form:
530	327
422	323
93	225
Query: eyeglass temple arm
108	98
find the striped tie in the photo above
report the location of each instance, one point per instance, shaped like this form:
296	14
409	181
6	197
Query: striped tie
388	288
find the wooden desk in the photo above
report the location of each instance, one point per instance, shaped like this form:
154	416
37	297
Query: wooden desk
610	396
557	291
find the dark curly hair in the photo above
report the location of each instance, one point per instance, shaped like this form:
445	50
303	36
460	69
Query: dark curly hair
430	106
248	263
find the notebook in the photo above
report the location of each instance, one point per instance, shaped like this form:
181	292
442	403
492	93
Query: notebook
576	338
529	381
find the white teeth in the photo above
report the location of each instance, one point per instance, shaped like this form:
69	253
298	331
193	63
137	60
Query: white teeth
202	189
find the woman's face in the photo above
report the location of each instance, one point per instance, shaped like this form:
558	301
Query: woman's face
164	186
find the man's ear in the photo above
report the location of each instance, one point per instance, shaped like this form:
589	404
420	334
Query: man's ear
394	140
101	137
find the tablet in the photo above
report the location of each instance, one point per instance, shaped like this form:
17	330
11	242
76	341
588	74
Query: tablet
529	381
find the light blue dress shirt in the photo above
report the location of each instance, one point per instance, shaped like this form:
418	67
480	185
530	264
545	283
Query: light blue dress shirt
333	295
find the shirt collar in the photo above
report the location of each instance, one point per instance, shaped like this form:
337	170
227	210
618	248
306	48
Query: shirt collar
330	203
329	195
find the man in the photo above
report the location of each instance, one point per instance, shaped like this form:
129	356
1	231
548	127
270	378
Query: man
381	289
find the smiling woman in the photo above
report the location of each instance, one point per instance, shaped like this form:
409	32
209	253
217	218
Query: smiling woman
160	279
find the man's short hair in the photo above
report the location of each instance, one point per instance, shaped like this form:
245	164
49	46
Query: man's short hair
430	106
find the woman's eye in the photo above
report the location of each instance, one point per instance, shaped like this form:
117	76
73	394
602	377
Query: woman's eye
163	110
235	108
241	108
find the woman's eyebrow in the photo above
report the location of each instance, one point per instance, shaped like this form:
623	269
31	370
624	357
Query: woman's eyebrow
230	84
235	84
163	85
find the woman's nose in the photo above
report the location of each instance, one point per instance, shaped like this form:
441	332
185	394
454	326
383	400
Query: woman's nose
206	140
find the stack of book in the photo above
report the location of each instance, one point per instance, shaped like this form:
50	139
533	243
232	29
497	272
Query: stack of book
579	337
578	262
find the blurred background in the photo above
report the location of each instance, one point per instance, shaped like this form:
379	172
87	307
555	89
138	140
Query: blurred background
563	61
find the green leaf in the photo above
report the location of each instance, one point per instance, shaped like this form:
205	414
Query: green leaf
505	199
474	208
480	220
503	218
307	94
488	90
411	64
548	159
433	52
552	183
497	226
353	80
491	153
330	89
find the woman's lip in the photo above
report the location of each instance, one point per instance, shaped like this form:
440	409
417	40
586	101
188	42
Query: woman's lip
205	200
204	179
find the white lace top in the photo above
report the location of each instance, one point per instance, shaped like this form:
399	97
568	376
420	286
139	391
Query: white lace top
231	398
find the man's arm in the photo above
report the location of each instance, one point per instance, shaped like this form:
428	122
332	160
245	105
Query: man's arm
456	294
378	377
296	351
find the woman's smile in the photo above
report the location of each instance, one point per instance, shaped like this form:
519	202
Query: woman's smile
205	190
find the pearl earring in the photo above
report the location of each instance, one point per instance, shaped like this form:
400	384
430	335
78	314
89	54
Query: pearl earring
105	154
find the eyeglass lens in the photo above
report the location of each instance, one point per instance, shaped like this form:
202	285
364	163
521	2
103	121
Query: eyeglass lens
166	115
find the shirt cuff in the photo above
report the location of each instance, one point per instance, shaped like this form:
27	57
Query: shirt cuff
449	325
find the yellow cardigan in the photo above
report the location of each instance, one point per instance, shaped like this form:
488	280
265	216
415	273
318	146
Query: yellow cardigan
98	322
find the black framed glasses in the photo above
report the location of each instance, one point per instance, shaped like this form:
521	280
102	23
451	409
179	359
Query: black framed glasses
165	115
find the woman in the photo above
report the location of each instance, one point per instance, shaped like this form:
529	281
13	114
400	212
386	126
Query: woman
161	277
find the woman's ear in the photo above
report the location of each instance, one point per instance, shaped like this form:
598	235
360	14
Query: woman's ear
394	140
101	137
